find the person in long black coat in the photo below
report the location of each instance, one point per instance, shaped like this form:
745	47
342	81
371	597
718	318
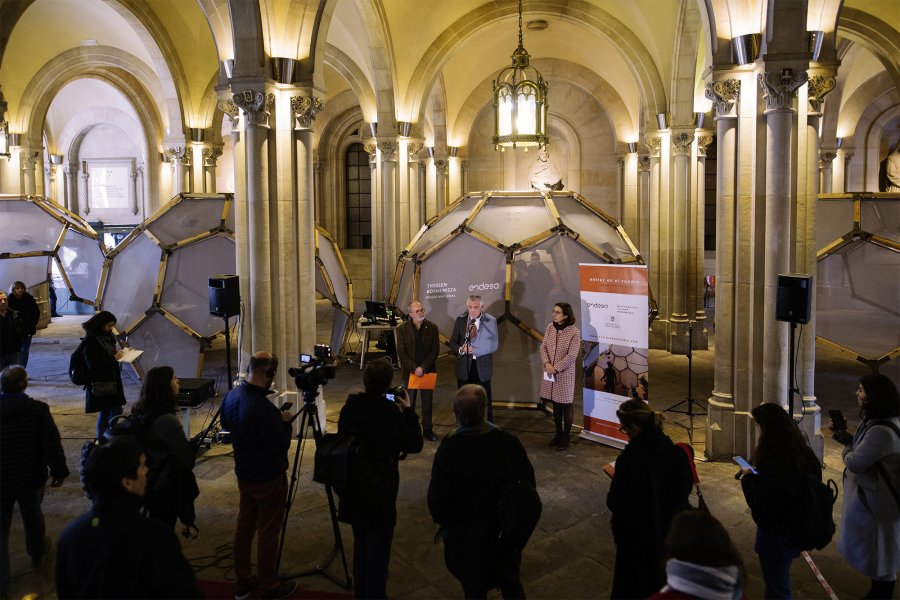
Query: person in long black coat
651	485
388	430
27	316
101	357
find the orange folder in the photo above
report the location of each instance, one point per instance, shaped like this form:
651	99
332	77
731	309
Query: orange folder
426	382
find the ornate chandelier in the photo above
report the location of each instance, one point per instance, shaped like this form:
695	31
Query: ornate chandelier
520	102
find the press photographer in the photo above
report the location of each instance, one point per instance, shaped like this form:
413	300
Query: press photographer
388	430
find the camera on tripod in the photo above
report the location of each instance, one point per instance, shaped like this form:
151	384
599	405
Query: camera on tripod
313	371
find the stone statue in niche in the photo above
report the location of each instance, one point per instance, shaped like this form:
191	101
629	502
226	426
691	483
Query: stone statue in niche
543	174
889	176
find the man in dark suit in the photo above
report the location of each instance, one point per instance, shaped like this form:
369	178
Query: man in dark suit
475	339
417	349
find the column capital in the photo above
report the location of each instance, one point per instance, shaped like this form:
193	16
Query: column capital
819	86
175	152
464	164
681	144
826	157
724	95
655	144
256	107
232	111
412	149
304	109
779	87
620	160
644	164
210	155
703	142
317	165
389	150
442	166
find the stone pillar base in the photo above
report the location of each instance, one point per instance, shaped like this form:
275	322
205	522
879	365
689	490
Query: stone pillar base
729	433
678	336
701	332
811	424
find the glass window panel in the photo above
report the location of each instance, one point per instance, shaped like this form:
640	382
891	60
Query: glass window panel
511	220
365	186
365	228
353	228
880	217
834	218
353	187
163	344
186	285
25	227
30	271
131	283
353	214
187	218
82	261
352	173
442	228
594	229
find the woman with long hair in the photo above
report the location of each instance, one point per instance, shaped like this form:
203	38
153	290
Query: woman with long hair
559	355
870	527
774	493
104	394
171	485
651	485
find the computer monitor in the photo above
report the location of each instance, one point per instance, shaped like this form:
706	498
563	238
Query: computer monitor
376	310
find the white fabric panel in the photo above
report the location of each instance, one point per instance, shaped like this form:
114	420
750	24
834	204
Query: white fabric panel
858	299
30	271
165	344
185	291
82	261
880	218
591	228
834	218
328	256
517	366
338	326
25	227
442	228
511	220
188	218
405	289
320	284
132	281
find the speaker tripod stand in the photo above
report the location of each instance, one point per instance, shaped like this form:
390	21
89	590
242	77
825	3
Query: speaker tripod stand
690	411
309	419
203	435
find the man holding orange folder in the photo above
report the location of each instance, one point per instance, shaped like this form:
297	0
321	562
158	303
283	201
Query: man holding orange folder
417	348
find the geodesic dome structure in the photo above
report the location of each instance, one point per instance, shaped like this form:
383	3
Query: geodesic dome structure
520	252
158	282
333	282
34	231
857	295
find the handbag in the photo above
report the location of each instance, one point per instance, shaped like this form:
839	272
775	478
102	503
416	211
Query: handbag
104	389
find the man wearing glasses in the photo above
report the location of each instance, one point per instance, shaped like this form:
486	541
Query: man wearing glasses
417	349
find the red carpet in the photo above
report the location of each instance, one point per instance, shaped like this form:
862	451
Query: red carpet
224	590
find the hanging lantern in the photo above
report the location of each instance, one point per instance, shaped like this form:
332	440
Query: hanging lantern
520	102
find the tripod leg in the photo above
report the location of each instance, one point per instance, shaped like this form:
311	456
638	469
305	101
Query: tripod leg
293	485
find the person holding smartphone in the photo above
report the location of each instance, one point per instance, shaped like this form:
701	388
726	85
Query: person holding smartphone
870	526
774	493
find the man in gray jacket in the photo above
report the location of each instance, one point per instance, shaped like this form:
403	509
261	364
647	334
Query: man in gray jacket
474	340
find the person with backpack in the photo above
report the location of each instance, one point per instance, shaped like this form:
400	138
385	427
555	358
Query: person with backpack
870	527
388	430
171	485
776	493
472	469
651	484
103	393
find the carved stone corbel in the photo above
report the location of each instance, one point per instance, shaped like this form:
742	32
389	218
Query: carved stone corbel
780	87
724	96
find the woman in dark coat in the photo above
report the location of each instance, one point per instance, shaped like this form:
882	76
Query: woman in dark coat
171	485
104	394
651	485
775	492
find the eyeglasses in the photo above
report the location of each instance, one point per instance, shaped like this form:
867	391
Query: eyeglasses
419	310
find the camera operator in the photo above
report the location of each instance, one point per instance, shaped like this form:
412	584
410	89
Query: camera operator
388	430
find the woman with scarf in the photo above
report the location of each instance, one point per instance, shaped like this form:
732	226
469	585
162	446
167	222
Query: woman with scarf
104	394
559	355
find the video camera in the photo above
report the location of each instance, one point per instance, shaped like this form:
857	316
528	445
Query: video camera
313	371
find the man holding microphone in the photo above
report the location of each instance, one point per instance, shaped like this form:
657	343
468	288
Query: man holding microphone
475	338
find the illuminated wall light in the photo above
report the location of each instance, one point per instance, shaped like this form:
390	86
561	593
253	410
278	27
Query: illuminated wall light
699	119
283	69
632	147
56	159
454	150
662	120
430	151
196	134
745	48
405	127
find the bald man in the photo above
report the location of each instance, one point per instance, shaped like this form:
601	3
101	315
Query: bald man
418	346
261	436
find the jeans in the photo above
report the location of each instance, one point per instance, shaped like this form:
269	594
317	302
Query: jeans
427	396
104	416
261	512
24	350
33	521
371	556
776	554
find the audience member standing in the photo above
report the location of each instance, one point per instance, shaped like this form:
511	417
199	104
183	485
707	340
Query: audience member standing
559	355
9	334
474	340
113	551
471	469
388	431
418	346
27	315
775	492
104	394
171	485
870	527
261	437
29	445
651	485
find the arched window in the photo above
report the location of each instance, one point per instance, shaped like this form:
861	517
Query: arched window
359	198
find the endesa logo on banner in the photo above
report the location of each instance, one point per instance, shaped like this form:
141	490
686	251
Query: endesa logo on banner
484	286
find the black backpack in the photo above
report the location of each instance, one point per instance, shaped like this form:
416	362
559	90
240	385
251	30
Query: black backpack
813	527
341	463
120	427
78	369
518	509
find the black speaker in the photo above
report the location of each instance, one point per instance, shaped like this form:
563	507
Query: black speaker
793	300
224	296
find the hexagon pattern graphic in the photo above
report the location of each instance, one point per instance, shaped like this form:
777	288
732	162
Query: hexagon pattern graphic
857	295
38	235
520	252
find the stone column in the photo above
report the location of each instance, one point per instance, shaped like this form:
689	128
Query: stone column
779	89
318	213
657	329
722	428
464	175
698	218
423	195
441	172
416	201
826	158
848	159
630	201
643	237
85	190
255	106
210	156
389	214
29	160
134	190
70	187
679	267
620	189
176	155
378	241
305	109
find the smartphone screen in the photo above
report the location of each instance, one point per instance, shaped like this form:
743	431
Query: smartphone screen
286	406
838	420
305	358
391	397
742	463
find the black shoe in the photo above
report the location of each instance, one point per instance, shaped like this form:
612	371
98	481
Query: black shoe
284	589
428	434
563	443
243	589
555	440
38	559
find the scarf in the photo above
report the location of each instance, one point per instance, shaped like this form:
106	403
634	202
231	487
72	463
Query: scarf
707	583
